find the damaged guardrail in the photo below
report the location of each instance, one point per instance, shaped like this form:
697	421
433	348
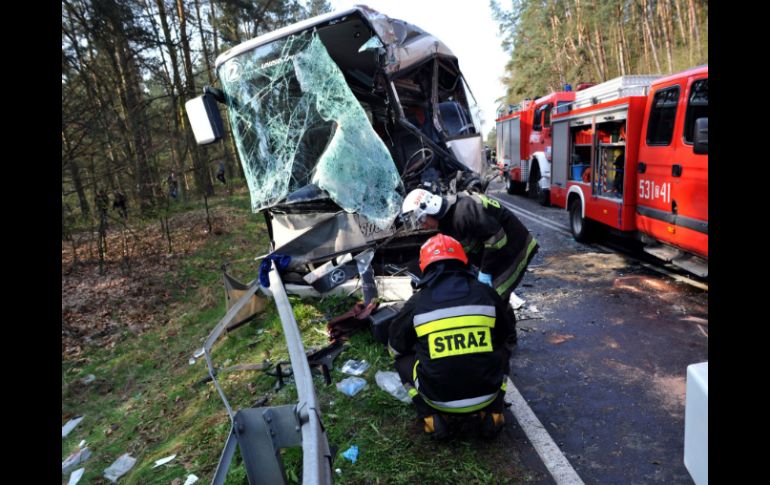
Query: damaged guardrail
262	432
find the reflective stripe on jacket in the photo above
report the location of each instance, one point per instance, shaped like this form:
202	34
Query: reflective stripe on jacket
457	328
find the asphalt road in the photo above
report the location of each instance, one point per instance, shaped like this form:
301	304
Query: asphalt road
604	345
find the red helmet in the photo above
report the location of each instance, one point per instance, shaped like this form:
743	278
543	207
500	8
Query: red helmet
441	247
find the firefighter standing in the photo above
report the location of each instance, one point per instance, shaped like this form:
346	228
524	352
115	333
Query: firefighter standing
495	240
449	342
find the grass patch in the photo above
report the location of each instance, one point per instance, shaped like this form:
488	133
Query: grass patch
147	399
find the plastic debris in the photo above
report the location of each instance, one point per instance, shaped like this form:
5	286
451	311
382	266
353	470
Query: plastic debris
191	478
351	385
88	379
533	309
351	453
338	471
163	461
65	430
355	367
74	460
76	476
82	443
197	355
119	468
391	383
515	301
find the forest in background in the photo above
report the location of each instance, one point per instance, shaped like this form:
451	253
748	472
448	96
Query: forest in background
128	67
557	42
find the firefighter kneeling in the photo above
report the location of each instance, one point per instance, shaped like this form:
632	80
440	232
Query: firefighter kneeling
449	342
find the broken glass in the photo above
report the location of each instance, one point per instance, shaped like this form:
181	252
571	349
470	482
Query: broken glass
373	43
296	122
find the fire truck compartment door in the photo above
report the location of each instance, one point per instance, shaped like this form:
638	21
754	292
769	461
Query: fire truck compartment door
560	155
514	141
616	113
582	121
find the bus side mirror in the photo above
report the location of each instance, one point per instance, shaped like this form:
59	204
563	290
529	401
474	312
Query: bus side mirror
205	120
701	138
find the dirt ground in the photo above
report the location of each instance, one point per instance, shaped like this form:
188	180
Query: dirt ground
137	285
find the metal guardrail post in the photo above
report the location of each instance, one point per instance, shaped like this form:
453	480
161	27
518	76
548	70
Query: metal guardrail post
316	457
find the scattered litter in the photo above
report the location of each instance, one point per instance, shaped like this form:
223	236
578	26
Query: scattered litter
163	461
82	443
515	301
355	367
119	468
88	379
197	355
74	460
76	476
338	471
391	383
351	453
533	309
191	478
65	430
351	385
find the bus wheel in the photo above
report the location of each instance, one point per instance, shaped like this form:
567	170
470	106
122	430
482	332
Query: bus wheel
580	227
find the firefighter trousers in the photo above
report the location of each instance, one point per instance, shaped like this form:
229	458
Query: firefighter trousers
404	365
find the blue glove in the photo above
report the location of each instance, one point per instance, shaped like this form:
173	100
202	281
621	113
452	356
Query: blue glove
486	279
281	261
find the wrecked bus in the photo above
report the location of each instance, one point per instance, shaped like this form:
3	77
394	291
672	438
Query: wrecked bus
335	119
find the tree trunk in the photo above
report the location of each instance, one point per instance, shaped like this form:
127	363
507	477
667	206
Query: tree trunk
77	181
665	25
680	24
202	174
622	47
648	32
694	31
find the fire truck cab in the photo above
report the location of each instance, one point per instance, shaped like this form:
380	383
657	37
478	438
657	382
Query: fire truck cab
632	155
524	144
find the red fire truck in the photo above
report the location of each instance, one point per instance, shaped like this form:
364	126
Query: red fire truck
638	162
524	144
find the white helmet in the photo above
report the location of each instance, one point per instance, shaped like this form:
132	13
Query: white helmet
421	203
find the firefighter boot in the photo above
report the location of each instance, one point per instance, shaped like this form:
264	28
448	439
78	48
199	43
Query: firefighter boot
491	424
436	427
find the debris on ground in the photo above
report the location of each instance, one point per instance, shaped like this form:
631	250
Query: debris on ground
351	453
74	460
351	386
515	301
391	383
191	478
76	476
163	461
65	430
120	467
355	367
88	379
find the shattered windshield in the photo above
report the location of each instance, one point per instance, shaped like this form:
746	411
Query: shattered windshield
296	122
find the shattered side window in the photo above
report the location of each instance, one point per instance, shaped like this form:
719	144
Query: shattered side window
296	122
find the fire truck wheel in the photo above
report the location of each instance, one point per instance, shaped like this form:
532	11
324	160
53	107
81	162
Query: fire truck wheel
580	227
535	192
508	185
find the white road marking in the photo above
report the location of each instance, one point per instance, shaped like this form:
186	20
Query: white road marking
554	460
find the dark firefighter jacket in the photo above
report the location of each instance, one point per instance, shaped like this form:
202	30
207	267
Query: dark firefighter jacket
493	238
457	327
